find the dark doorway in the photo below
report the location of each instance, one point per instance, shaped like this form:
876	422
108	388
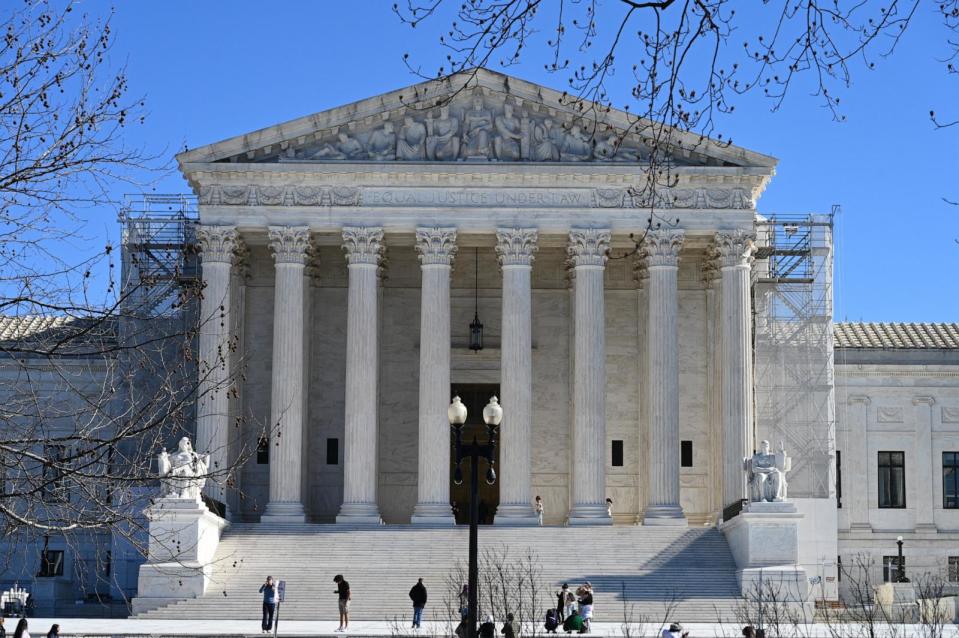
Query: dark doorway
474	396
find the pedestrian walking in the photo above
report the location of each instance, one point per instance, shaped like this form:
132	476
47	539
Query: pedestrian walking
418	596
268	589
609	507
538	507
488	628
510	628
54	631
561	602
464	602
344	596
21	630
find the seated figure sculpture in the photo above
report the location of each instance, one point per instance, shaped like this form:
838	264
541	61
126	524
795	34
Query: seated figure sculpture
477	126
442	142
183	474
382	144
411	142
508	135
346	147
766	473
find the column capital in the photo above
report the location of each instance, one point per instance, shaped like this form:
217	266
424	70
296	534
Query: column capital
924	400
733	249
858	398
436	245
363	245
219	243
290	244
662	247
516	246
588	246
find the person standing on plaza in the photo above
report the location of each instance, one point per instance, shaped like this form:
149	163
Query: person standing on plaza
418	596
561	602
3	630
538	507
21	630
609	507
54	631
488	628
268	589
464	602
344	596
570	606
510	628
586	605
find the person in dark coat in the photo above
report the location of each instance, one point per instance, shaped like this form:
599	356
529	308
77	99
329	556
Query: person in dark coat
574	622
510	628
418	596
268	589
561	602
54	631
488	628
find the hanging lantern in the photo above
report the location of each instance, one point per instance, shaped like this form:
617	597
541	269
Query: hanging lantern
476	327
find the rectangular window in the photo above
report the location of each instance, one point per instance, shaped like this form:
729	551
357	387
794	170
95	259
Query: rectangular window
953	574
685	453
890	567
332	451
617	454
892	479
838	479
950	480
53	488
51	563
263	451
839	569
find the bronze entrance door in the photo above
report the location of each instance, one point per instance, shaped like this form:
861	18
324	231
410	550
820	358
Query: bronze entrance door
475	396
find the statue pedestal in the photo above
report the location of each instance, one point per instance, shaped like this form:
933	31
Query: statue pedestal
897	601
184	535
764	540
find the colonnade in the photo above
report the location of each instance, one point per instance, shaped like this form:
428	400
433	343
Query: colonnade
587	250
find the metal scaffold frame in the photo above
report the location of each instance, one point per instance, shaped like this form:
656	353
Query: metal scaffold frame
793	347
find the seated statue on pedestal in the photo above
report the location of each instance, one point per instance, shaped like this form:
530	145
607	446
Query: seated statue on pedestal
183	474
767	474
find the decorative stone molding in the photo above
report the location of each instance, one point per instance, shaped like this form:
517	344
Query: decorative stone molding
663	246
436	245
858	398
278	195
588	246
950	414
889	414
219	243
923	400
363	245
734	249
290	244
516	246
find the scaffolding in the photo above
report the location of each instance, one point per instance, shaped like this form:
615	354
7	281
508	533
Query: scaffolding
793	347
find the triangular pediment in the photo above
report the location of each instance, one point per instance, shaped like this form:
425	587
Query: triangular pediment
473	116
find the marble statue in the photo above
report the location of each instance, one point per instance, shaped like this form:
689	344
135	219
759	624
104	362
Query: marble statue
347	147
477	124
577	146
508	135
767	474
442	141
611	149
411	142
382	144
542	144
183	474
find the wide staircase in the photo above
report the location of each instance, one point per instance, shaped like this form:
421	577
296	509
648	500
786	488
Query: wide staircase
636	572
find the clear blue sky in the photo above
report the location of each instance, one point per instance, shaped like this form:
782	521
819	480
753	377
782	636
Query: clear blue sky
212	70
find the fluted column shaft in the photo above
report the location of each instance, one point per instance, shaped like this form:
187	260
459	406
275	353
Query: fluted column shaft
290	247
363	248
218	245
437	247
663	507
734	251
588	254
515	248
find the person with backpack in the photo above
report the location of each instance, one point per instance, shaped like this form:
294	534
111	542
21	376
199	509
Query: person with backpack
418	596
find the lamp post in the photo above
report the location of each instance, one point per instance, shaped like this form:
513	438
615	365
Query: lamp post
900	564
492	415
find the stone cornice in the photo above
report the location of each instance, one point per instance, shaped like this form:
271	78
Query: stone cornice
363	245
436	246
290	244
516	246
662	247
588	247
219	243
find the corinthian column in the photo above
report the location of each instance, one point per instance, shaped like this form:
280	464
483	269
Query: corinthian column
587	253
219	246
437	247
515	248
734	251
291	246
662	249
364	248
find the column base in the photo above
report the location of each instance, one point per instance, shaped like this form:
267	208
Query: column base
283	513
366	514
516	514
589	515
435	514
665	516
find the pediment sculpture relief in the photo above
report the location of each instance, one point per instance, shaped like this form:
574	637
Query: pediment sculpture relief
470	128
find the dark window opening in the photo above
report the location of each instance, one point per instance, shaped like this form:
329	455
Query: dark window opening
950	480
953	574
51	563
332	451
685	453
263	451
839	569
617	453
892	480
838	479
